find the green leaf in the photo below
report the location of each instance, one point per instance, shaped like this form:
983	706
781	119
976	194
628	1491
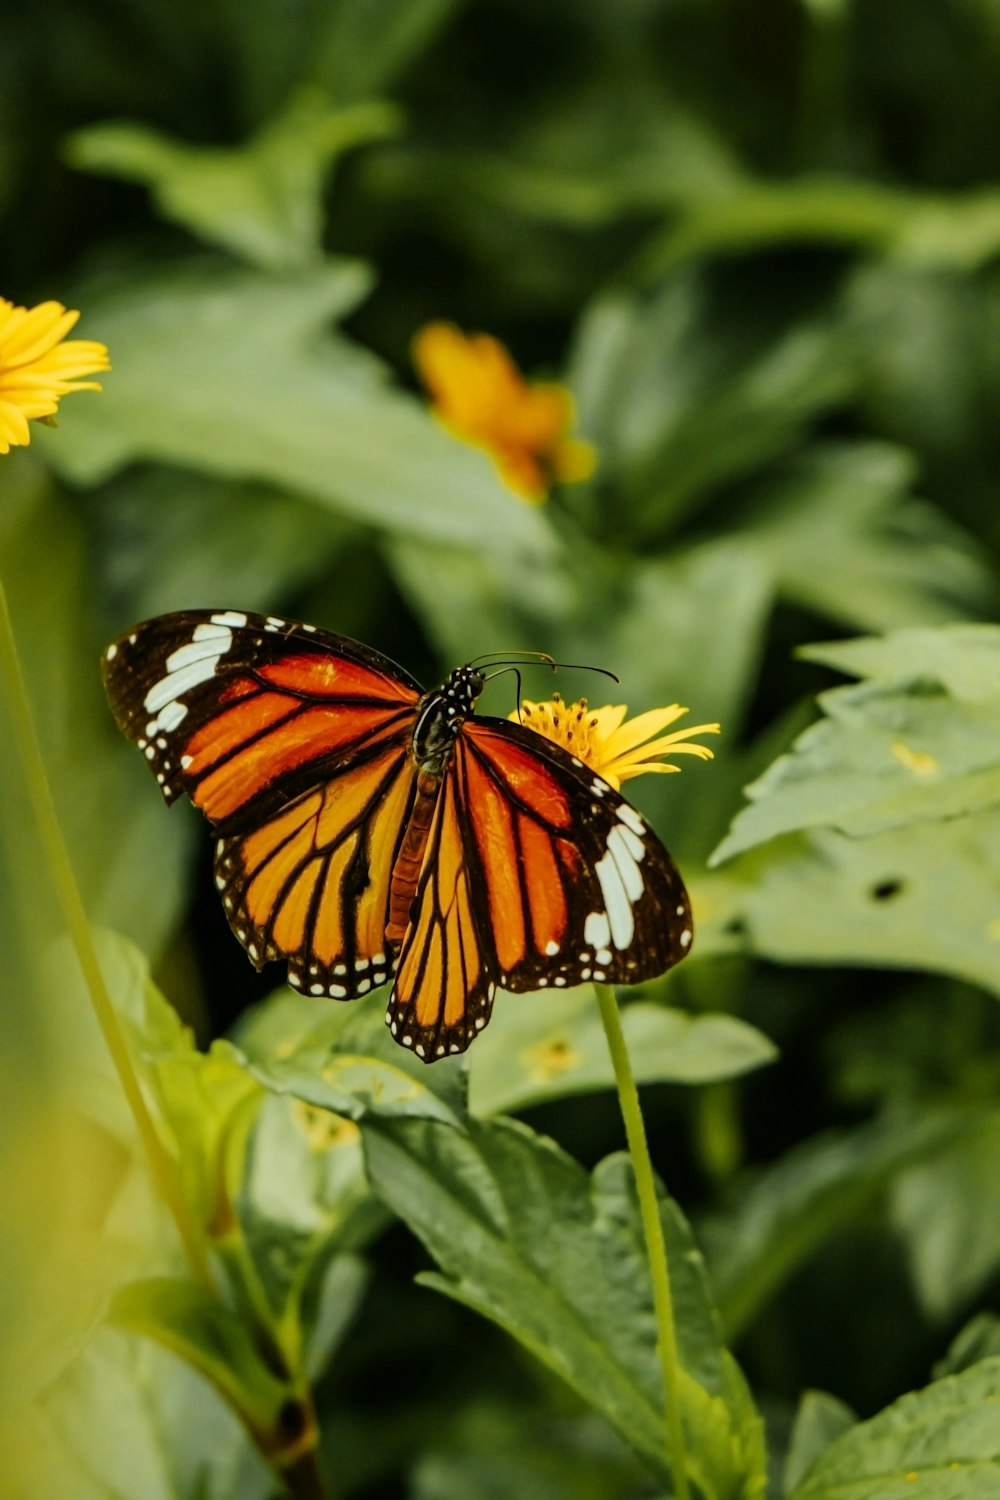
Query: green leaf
304	1200
525	1238
819	1420
342	1058
941	1443
194	1324
921	897
228	371
129	1419
791	1209
979	1339
962	230
362	48
920	745
948	1211
962	659
841	535
110	830
204	1103
678	402
548	1045
492	1449
614	144
264	200
166	542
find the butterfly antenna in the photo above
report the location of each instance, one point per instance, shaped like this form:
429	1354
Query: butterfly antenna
542	658
512	654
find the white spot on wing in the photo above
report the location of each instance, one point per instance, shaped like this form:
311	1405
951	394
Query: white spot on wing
111	653
229	617
170	688
619	907
631	817
624	837
171	716
686	937
199	650
551	949
623	857
597	930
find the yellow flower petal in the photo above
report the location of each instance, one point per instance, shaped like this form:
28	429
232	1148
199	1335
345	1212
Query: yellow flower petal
37	366
641	727
603	740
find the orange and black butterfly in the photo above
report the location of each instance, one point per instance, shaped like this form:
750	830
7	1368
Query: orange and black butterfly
369	830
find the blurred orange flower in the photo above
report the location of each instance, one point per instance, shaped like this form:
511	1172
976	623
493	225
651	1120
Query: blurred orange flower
480	396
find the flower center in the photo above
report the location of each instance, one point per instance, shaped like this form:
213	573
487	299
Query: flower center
571	725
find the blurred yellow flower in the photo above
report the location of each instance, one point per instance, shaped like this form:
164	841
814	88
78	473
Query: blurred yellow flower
37	367
612	747
481	396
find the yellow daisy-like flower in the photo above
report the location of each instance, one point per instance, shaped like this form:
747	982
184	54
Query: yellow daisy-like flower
603	740
481	396
37	366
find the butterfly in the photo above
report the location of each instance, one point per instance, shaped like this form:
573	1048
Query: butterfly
368	830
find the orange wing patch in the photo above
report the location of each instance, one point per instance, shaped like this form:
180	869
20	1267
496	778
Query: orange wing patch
265	736
523	773
311	884
333	677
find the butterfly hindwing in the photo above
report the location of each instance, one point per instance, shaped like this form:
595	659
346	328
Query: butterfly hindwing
245	712
311	883
444	986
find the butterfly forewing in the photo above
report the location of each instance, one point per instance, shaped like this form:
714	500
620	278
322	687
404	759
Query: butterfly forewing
245	712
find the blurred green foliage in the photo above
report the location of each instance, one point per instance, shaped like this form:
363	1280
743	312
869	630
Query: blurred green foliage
760	243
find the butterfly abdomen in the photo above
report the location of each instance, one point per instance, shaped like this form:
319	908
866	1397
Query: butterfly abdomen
406	870
440	716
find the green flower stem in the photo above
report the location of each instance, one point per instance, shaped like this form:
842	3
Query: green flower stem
652	1226
161	1165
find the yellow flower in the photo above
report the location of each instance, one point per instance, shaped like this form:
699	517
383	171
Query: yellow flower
481	396
612	747
37	367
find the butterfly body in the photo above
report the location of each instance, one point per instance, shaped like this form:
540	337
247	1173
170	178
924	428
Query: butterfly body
440	716
367	830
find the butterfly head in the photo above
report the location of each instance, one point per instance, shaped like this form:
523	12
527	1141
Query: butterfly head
442	715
